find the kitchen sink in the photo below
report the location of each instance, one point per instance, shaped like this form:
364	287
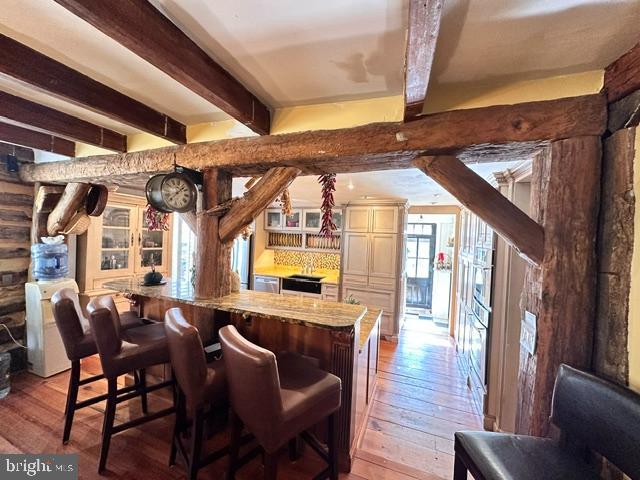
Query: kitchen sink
308	278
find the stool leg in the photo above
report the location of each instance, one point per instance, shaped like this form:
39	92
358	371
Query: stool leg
294	449
196	443
234	444
333	446
72	398
459	469
107	426
270	466
142	378
178	426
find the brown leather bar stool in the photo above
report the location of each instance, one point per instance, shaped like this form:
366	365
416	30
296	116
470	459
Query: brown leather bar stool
138	349
278	400
78	342
200	386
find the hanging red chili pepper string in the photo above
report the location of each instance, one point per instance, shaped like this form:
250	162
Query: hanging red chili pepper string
328	183
156	221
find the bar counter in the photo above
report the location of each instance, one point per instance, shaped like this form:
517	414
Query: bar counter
344	338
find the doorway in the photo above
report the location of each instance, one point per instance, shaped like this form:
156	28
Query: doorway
421	250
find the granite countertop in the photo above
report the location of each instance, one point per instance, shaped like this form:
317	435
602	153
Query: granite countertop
300	310
284	271
367	324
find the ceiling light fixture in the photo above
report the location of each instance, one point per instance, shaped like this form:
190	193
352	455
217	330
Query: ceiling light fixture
350	186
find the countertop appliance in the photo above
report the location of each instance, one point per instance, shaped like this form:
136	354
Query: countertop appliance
309	285
266	284
45	350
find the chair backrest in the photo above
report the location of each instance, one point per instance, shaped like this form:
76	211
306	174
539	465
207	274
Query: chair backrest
70	320
601	415
254	384
107	337
106	301
187	355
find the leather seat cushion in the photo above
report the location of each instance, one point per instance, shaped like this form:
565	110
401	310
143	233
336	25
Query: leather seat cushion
85	347
501	456
141	348
130	320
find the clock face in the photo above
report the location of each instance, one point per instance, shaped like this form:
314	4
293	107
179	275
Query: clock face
178	193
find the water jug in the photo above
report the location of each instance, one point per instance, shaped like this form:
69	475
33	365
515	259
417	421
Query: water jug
49	261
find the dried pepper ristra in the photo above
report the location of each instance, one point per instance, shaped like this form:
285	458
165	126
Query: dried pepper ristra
156	221
328	183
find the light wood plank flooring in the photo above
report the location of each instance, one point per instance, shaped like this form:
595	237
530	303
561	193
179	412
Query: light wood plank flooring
420	401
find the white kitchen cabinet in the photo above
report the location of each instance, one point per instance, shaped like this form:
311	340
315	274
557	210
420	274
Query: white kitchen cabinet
384	219
273	219
357	219
330	292
356	254
383	260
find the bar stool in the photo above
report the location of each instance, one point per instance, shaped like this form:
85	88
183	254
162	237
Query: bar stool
199	386
278	400
78	342
138	349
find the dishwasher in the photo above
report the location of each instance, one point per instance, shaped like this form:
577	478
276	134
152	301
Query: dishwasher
266	284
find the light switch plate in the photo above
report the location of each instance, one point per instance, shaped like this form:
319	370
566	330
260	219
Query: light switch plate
529	332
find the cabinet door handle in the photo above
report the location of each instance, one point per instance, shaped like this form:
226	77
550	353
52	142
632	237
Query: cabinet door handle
131	239
139	239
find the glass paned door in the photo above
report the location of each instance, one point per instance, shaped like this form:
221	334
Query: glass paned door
116	239
150	244
421	251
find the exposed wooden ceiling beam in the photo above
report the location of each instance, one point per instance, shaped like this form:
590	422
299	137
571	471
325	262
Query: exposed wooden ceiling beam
38	140
378	146
23	154
144	30
622	77
475	193
29	66
424	25
31	115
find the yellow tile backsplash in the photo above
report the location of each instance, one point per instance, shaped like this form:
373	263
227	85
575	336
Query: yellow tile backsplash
298	259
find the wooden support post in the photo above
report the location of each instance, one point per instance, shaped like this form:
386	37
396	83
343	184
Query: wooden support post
565	199
255	201
72	199
475	193
213	262
46	198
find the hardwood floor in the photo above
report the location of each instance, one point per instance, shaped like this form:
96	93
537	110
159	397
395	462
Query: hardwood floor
420	401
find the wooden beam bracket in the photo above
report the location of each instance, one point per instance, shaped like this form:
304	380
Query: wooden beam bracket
72	199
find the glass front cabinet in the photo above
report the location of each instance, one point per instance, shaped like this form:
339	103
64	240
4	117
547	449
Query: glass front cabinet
119	245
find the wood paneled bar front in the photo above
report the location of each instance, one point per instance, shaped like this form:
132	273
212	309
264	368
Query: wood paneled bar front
343	338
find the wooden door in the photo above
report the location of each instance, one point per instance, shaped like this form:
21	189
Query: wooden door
383	259
356	254
357	219
384	220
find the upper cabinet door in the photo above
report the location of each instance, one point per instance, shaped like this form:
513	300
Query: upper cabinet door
293	221
312	220
117	233
272	219
384	220
383	258
357	219
153	247
356	254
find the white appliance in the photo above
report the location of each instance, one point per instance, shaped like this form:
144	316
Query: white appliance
266	284
45	350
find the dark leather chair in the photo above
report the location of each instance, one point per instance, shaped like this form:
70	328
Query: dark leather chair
120	353
78	342
592	414
200	386
277	400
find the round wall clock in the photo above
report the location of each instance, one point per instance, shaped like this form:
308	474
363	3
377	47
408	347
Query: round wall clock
173	192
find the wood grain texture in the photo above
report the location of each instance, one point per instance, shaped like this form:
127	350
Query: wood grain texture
562	291
23	154
213	261
615	250
424	26
378	146
29	66
263	193
72	199
38	117
622	77
38	140
47	197
475	193
624	113
144	30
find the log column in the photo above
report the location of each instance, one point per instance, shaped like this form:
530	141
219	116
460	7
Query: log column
561	292
213	260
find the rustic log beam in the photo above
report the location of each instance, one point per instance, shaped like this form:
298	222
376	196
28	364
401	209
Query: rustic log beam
47	197
255	201
622	77
29	66
144	30
624	113
475	193
213	263
379	146
72	199
38	140
38	117
25	155
424	25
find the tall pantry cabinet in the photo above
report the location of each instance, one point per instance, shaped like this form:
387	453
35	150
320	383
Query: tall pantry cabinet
373	260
